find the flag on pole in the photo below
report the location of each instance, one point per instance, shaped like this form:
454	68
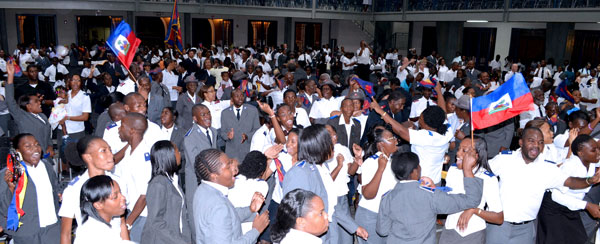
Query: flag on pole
173	36
509	100
563	92
123	43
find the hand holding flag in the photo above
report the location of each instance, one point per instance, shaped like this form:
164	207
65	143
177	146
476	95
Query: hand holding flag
123	43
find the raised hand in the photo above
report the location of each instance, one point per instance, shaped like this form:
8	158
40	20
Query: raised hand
257	201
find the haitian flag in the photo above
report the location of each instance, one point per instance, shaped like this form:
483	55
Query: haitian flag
509	100
173	37
123	43
366	86
563	92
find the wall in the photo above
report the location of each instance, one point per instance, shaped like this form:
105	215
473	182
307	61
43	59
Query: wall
348	34
503	33
417	34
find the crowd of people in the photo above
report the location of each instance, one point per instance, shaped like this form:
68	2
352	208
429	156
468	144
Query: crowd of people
316	145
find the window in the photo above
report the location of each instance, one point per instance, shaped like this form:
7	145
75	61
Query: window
37	29
262	33
308	35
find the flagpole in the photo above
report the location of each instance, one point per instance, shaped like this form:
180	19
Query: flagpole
471	115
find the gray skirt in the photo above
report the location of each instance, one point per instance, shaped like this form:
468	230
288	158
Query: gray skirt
450	236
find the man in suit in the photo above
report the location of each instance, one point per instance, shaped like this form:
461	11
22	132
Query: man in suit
114	70
216	220
394	106
182	70
190	62
557	125
28	113
472	73
186	101
347	128
40	223
198	138
157	96
238	124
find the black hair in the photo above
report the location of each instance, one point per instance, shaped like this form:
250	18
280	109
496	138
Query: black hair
527	129
172	111
575	115
17	139
396	95
435	117
130	96
294	204
374	137
448	96
289	90
481	150
207	162
162	157
577	144
254	165
96	189
403	164
24	100
301	84
315	145
395	81
84	143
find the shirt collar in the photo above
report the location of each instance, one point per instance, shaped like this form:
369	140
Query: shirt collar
301	235
343	121
224	190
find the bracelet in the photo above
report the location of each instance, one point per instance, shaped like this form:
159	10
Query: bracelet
590	127
272	116
479	212
384	113
587	181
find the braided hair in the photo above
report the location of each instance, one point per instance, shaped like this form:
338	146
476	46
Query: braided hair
207	162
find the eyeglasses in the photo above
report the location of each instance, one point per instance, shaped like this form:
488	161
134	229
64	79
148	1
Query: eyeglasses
392	139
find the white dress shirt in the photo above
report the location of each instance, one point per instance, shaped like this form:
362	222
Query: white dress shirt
573	199
342	179
96	232
43	189
522	185
387	183
300	237
77	105
241	194
170	80
324	107
431	148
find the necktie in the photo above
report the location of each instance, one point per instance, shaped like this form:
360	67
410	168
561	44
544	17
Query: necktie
208	136
540	110
279	169
428	103
238	113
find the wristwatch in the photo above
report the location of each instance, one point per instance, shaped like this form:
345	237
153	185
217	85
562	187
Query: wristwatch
128	226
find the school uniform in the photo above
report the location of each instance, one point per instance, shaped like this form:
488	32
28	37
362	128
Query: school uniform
261	140
216	220
216	108
111	135
559	219
321	110
71	203
136	170
419	105
431	147
40	224
95	232
490	201
341	188
158	99
312	177
522	188
306	101
184	106
242	192
167	212
347	134
245	123
368	209
300	237
407	213
194	142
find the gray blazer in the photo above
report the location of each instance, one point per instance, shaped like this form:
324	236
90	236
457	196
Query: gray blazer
473	76
164	210
194	142
184	108
31	221
159	99
217	221
306	176
27	122
407	213
247	124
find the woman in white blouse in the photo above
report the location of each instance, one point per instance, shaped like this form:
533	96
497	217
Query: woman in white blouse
469	226
559	216
301	218
101	200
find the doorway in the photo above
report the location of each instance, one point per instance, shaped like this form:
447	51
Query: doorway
308	35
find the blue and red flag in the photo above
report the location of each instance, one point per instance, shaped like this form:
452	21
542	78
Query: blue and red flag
15	208
18	71
173	36
563	92
509	100
245	87
366	86
123	43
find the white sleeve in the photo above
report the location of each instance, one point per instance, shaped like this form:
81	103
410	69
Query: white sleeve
86	105
491	194
419	137
315	111
568	201
68	206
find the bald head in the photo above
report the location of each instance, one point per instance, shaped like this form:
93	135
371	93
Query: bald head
135	102
135	121
116	111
